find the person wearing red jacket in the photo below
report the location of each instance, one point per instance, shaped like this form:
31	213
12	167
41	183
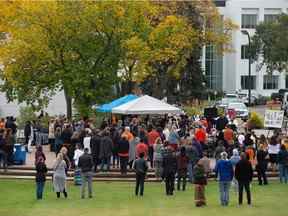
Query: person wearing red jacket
141	148
200	135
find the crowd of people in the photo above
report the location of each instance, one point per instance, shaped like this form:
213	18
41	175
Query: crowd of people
178	148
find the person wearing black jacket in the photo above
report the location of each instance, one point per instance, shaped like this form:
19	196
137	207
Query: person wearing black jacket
244	176
95	148
221	123
261	166
123	152
27	132
41	171
140	166
105	151
169	169
86	164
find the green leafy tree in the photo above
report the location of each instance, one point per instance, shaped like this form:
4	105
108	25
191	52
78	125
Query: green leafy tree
270	44
52	46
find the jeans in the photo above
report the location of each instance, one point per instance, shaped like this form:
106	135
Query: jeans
40	189
169	183
140	178
96	162
190	172
181	176
123	164
261	174
150	154
106	161
245	185
224	187
86	178
115	159
3	159
283	173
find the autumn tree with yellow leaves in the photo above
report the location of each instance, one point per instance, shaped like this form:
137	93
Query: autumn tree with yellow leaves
85	48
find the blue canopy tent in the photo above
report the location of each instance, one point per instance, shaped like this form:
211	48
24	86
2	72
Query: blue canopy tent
115	103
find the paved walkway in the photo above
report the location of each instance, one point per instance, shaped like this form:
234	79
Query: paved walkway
50	157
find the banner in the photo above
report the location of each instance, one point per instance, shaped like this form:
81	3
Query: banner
273	119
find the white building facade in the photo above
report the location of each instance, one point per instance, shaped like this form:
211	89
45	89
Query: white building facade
229	73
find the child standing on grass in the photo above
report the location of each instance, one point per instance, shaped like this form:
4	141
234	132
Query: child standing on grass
200	181
140	166
41	171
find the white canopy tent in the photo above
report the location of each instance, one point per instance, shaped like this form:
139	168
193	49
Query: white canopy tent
146	105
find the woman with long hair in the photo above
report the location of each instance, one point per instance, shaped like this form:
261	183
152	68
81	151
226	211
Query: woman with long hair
59	177
158	158
9	141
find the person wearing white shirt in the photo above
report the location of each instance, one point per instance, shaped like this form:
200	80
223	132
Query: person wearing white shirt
77	154
273	150
241	139
87	140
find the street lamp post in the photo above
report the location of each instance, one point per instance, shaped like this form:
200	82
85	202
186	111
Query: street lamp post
245	32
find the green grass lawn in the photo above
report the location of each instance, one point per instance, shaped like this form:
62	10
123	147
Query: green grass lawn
17	198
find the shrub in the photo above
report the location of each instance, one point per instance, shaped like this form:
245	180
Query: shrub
192	111
255	121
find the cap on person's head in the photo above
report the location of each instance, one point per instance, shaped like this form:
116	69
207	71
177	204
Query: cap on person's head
86	150
224	155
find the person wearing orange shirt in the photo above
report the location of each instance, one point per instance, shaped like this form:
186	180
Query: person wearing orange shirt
141	148
251	154
200	135
152	136
228	135
2	123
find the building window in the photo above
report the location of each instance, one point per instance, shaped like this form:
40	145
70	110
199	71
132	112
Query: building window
214	68
249	21
244	52
245	82
270	82
270	17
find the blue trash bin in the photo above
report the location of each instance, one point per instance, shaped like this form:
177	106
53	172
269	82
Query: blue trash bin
19	154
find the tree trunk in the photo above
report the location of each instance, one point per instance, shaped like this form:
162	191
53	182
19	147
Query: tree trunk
68	104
